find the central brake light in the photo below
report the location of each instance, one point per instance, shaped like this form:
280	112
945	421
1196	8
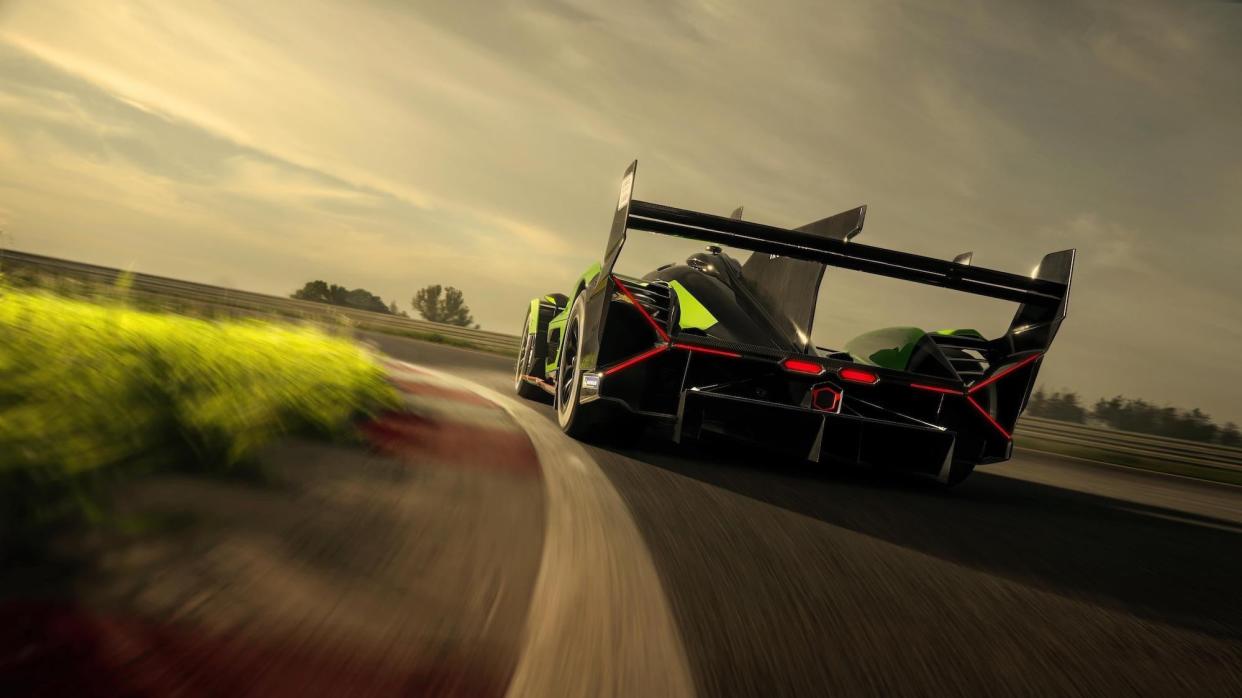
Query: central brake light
857	375
799	366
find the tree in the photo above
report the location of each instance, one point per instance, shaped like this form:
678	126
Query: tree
363	299
1038	402
1065	407
393	309
1229	435
1145	417
323	292
443	305
1061	406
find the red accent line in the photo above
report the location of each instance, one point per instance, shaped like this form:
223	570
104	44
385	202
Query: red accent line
1003	373
989	417
654	325
635	359
708	350
934	389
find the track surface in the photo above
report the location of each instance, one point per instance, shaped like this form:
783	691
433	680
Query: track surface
1042	576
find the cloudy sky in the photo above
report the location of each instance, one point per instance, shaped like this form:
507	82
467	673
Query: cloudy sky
393	144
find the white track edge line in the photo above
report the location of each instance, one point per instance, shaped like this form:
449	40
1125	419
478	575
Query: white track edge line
599	622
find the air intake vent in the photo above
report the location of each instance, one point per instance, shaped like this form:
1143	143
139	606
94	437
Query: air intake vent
656	298
968	355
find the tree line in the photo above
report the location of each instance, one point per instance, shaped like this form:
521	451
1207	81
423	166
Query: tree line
1134	414
434	303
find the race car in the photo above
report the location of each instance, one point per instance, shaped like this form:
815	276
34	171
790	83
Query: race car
718	347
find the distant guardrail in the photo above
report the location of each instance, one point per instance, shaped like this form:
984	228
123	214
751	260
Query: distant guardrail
1142	446
250	303
1127	445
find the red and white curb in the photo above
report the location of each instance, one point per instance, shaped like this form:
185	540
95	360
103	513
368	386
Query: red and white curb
444	419
599	624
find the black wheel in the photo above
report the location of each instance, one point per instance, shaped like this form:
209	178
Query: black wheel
576	419
530	363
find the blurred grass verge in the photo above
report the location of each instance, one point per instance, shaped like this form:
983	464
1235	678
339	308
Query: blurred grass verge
94	392
194	300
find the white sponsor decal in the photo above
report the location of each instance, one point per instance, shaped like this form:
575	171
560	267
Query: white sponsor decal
627	188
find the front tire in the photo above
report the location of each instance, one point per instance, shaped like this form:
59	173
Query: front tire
581	421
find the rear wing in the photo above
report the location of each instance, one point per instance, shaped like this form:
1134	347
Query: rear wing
1043	295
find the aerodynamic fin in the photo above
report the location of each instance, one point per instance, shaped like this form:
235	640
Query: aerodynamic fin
1035	325
844	226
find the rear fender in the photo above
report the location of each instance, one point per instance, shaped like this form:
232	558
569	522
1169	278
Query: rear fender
556	324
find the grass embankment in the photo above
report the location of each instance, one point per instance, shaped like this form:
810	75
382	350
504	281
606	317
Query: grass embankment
94	393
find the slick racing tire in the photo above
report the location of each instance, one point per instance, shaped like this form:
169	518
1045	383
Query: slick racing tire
529	363
581	421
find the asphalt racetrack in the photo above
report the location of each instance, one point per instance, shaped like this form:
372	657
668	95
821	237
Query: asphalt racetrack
1041	576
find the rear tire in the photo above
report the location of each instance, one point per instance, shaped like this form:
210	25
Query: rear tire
529	363
581	421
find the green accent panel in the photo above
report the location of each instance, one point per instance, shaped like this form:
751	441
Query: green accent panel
694	315
556	323
890	347
587	277
960	333
532	319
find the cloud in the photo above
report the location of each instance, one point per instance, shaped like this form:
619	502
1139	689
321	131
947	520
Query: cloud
1100	243
389	145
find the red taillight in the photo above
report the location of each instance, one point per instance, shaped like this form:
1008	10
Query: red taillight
799	366
635	359
708	350
935	389
857	375
990	418
650	320
826	398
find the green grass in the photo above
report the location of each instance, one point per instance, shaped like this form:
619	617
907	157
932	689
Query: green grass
92	393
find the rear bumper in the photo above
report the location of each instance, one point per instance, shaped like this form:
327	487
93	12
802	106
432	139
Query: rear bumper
816	435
